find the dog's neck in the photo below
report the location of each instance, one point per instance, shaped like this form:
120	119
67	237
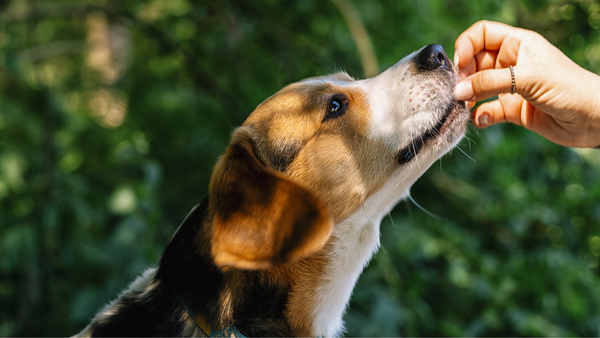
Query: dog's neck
352	244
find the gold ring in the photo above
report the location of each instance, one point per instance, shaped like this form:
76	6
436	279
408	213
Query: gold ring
512	75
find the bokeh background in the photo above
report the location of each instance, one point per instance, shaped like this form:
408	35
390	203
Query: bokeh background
113	113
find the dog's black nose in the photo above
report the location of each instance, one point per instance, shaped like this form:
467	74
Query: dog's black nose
432	57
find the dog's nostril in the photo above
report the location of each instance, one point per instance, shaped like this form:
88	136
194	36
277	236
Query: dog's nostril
441	57
432	57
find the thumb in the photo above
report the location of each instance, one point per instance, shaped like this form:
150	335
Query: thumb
484	84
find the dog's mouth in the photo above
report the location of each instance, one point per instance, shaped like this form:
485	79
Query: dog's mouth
412	150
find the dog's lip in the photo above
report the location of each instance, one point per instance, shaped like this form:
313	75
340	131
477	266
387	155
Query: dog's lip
412	150
451	114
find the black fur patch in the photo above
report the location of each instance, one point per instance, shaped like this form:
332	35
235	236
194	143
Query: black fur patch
181	271
154	314
261	313
188	275
194	278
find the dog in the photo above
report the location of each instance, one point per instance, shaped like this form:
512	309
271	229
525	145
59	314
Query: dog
295	205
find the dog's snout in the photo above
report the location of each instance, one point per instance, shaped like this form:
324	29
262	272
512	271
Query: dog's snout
432	57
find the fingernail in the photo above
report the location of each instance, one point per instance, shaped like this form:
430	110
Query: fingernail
463	91
456	59
483	119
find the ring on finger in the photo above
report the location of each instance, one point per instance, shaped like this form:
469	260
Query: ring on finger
512	75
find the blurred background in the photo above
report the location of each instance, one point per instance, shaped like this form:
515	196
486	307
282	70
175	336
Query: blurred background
113	113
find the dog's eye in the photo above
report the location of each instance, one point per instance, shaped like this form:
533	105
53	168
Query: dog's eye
334	107
337	106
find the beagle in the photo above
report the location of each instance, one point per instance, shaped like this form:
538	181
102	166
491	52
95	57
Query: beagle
294	207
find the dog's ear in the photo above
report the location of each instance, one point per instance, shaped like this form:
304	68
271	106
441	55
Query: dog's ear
260	218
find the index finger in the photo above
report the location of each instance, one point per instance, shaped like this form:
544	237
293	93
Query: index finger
482	35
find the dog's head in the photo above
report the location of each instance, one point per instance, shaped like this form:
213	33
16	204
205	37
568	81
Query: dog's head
310	155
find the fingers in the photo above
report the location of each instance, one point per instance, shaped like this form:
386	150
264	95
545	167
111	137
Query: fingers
484	85
483	35
467	71
489	83
488	114
508	108
483	60
486	59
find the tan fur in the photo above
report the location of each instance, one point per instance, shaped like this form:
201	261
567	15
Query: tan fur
260	218
307	273
337	148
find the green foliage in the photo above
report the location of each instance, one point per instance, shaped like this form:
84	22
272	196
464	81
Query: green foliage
113	113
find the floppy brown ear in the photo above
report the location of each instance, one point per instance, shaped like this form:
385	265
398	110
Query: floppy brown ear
260	218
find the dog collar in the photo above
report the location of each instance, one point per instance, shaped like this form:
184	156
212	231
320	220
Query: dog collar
229	332
202	322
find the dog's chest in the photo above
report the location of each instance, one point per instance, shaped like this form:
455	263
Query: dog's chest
354	242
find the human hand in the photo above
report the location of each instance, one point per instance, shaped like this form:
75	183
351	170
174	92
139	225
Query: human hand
554	96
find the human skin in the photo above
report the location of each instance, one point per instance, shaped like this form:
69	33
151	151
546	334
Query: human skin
554	96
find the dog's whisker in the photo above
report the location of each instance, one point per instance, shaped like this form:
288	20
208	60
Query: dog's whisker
469	140
462	151
425	210
391	218
418	157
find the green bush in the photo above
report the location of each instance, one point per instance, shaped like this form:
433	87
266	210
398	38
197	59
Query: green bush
113	113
